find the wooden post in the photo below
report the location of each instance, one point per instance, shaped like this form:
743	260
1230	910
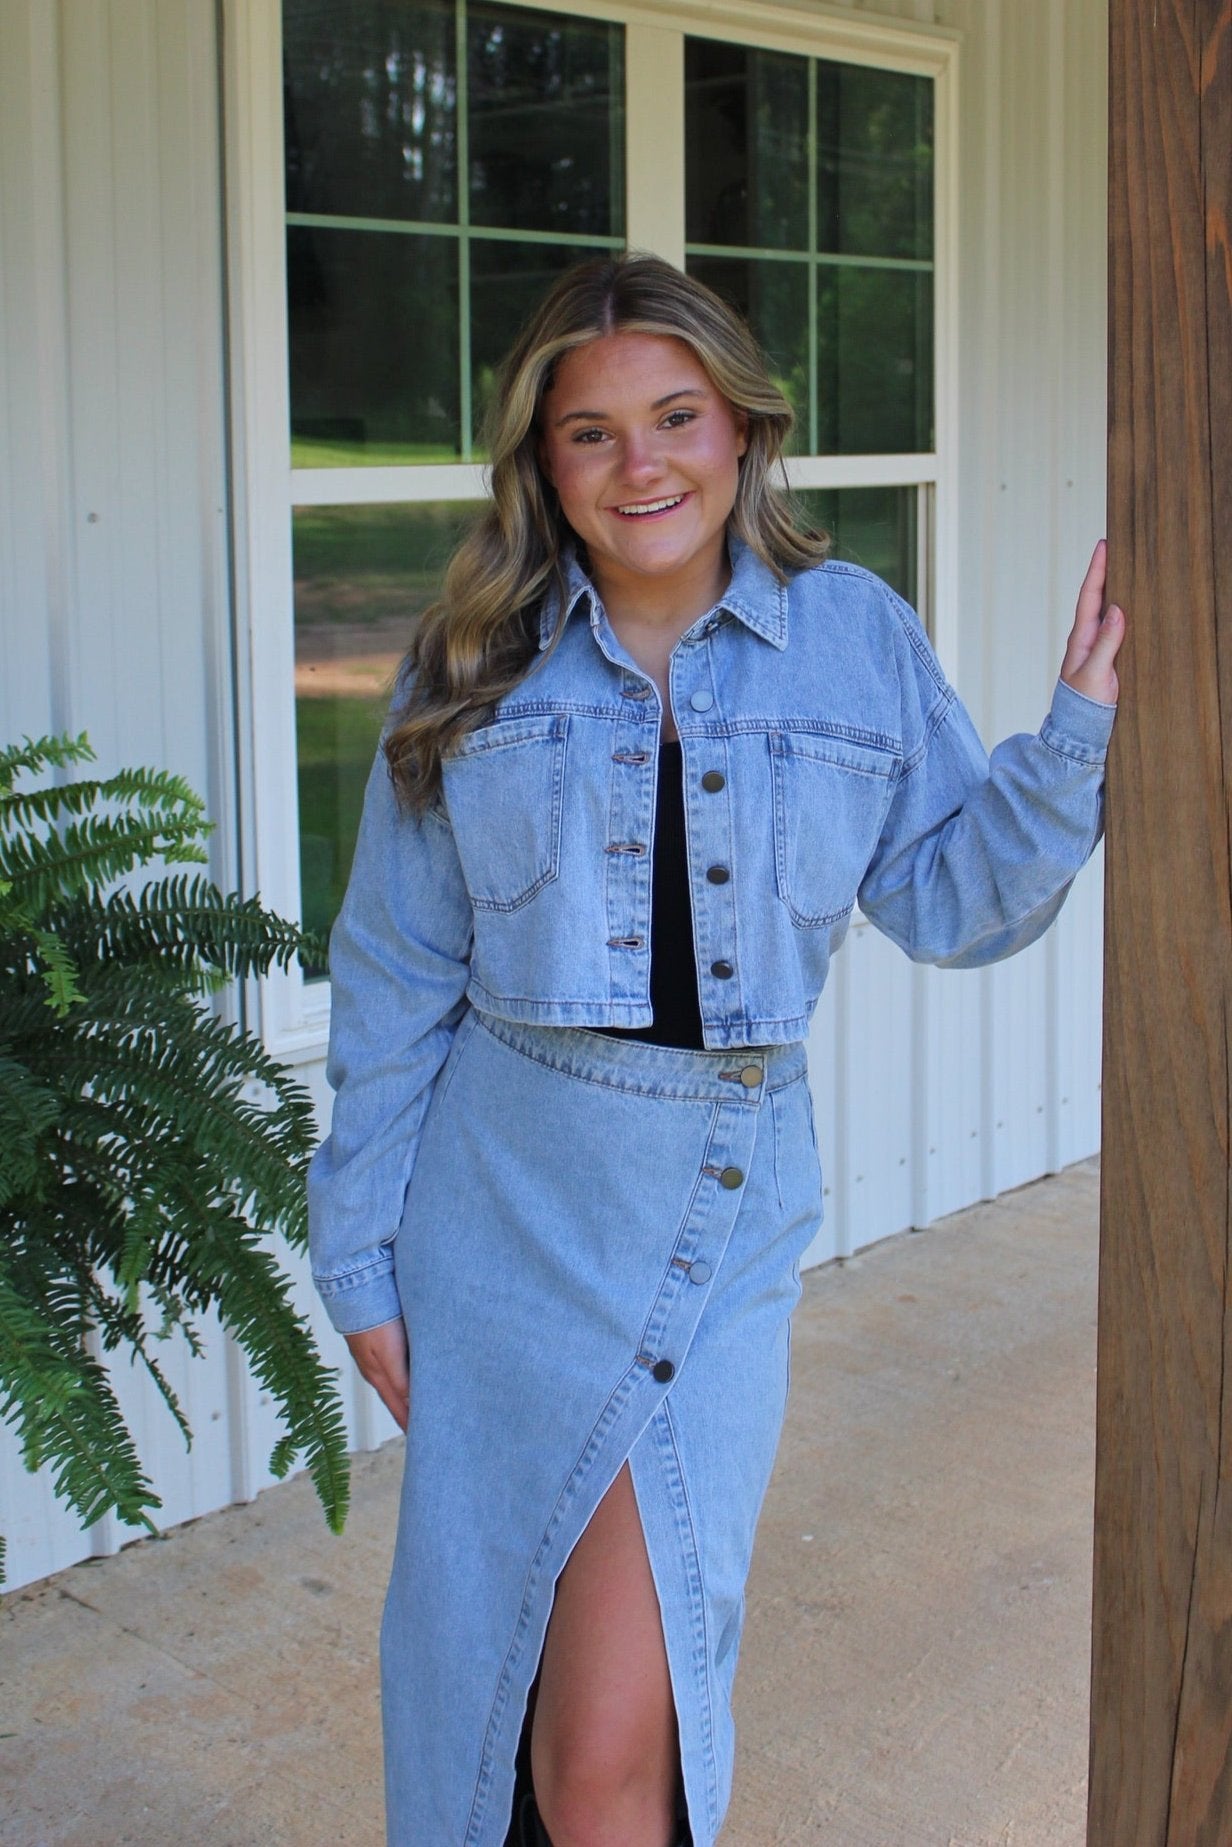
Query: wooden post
1161	1707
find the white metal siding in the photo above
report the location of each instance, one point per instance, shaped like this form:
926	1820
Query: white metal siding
114	613
931	1089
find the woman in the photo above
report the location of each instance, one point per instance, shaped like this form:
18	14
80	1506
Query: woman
649	749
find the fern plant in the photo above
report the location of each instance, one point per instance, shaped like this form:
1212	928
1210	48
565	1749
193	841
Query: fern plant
150	1153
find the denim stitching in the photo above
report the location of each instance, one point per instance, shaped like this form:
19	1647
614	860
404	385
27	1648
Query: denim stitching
691	1555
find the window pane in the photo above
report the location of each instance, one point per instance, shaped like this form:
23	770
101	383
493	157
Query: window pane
507	282
874	361
373	347
873	526
773	297
362	577
546	122
874	162
377	118
369	98
746	147
827	161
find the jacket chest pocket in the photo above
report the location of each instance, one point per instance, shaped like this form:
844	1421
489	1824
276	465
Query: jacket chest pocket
830	802
504	793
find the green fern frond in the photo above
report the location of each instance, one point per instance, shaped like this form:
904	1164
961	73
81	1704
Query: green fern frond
148	789
65	1414
96	850
27	1111
283	1358
58	970
152	1155
182	919
34	755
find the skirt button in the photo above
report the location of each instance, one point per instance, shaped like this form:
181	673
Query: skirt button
663	1370
750	1076
731	1177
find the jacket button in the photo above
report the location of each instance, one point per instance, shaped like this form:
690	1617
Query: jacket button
718	875
722	971
663	1370
750	1076
713	781
699	1272
701	700
731	1178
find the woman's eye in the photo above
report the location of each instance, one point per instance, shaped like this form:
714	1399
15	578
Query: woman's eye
588	436
675	419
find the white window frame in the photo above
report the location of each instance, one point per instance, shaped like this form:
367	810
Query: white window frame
294	1014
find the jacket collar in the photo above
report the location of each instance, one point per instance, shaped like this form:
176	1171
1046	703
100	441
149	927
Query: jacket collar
754	596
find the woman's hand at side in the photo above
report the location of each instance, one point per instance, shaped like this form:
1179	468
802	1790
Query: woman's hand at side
1095	637
382	1357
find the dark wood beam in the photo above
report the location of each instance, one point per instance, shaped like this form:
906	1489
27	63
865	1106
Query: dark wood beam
1161	1708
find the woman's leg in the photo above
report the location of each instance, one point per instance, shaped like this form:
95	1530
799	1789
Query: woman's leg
604	1749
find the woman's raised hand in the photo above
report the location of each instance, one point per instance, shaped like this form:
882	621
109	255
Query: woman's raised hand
1095	637
382	1357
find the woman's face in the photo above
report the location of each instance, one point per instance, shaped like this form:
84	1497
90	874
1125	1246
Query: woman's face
643	451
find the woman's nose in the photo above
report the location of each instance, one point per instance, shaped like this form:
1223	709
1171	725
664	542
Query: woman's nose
642	459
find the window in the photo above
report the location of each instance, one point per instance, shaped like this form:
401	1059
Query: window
441	161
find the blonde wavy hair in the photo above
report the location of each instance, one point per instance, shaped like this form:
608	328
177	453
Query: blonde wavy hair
481	638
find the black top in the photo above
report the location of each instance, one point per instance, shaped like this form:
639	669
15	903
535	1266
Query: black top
673	968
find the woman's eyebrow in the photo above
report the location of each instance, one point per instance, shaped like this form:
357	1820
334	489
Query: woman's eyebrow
599	416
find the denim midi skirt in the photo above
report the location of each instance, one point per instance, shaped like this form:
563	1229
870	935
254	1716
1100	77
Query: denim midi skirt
597	1263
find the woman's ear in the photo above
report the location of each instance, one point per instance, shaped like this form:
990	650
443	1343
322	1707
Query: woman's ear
541	456
742	432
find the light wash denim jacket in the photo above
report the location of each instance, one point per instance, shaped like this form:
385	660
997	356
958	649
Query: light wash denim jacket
825	760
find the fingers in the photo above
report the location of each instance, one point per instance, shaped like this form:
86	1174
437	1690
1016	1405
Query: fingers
395	1396
1091	595
1108	640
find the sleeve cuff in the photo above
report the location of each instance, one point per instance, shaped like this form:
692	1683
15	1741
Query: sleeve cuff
366	1299
1077	726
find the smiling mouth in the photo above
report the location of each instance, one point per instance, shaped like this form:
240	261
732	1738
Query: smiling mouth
644	509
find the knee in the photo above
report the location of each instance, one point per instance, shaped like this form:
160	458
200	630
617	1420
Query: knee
594	1794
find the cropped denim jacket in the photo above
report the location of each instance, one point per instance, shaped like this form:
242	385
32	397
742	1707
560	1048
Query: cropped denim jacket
825	760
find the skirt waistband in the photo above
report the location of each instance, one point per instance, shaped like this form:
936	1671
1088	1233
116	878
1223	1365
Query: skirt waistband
744	1074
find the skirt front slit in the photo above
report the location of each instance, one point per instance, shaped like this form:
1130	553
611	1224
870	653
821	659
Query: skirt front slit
597	1264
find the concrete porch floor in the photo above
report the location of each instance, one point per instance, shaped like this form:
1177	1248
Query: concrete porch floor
915	1663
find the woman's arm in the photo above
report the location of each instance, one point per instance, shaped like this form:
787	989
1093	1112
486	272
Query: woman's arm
399	963
976	854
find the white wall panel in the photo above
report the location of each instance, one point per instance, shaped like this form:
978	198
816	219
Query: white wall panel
949	1091
824	1042
1076	1022
149	620
874	1170
33	408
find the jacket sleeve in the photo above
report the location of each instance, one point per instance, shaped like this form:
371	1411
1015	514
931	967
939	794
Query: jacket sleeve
976	854
399	964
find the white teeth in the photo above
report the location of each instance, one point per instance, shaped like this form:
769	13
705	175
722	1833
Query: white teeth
652	506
